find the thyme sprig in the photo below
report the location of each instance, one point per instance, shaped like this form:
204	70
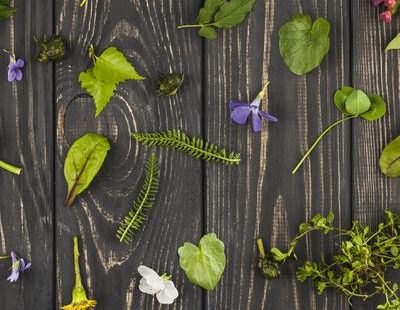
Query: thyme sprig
359	268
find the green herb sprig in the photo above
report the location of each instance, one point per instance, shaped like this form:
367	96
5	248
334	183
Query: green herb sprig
10	168
360	267
145	200
352	103
195	147
220	14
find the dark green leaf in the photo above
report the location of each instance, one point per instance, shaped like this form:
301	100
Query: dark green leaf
304	44
233	13
207	13
377	109
341	97
83	162
203	264
394	44
357	103
390	159
208	32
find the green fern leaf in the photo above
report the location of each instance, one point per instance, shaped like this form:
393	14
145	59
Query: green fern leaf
195	147
145	200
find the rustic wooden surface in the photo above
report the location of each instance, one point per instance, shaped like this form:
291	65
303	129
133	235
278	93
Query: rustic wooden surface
43	114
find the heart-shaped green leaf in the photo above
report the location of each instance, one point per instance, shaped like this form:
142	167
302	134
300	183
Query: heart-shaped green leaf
390	159
377	109
357	103
341	97
203	264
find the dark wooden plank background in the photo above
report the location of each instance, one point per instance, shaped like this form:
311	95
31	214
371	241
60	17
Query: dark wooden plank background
43	114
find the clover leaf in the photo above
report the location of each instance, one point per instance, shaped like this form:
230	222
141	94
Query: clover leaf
203	264
357	102
304	44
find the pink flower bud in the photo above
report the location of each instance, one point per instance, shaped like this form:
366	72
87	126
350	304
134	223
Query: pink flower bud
390	3
386	16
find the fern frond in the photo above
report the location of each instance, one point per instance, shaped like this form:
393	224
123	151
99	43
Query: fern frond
195	147
144	201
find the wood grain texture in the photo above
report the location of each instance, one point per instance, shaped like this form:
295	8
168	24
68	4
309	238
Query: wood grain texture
26	140
146	32
260	197
376	72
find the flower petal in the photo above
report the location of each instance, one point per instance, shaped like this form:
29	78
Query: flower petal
167	295
18	75
257	124
28	266
146	288
20	63
240	114
235	104
13	256
13	276
146	271
11	75
268	116
21	264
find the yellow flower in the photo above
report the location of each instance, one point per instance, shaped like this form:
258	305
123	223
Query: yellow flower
79	298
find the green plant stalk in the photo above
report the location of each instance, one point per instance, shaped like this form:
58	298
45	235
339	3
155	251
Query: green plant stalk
79	293
10	168
318	140
261	249
195	26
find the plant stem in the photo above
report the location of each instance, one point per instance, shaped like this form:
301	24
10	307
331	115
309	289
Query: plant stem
190	26
78	279
10	168
319	140
261	249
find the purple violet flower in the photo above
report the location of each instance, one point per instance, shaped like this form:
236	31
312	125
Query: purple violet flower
241	111
14	69
18	267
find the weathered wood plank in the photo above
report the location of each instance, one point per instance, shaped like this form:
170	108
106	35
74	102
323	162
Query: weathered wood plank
376	72
260	197
26	139
145	31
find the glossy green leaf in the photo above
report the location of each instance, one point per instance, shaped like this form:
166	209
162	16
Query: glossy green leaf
233	13
357	103
377	109
304	44
210	8
203	264
100	91
340	98
112	67
394	44
83	162
389	161
208	32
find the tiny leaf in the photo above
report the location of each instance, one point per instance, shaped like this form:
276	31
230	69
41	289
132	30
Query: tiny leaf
232	13
207	13
304	44
100	91
203	264
377	109
340	98
390	159
394	44
83	162
357	103
112	67
208	32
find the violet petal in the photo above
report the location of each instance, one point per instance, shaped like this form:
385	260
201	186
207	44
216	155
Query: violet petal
256	120
240	114
268	116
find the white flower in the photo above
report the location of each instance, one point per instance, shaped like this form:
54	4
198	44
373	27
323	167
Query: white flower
152	283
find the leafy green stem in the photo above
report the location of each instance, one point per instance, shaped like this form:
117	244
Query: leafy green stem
307	154
10	168
193	26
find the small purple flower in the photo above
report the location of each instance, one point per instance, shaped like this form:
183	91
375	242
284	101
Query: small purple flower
14	69
241	111
18	267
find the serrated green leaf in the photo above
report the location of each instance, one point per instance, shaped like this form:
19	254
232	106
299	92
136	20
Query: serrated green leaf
233	13
304	44
340	98
83	162
377	109
100	91
357	103
112	67
389	161
203	264
394	44
207	13
208	32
